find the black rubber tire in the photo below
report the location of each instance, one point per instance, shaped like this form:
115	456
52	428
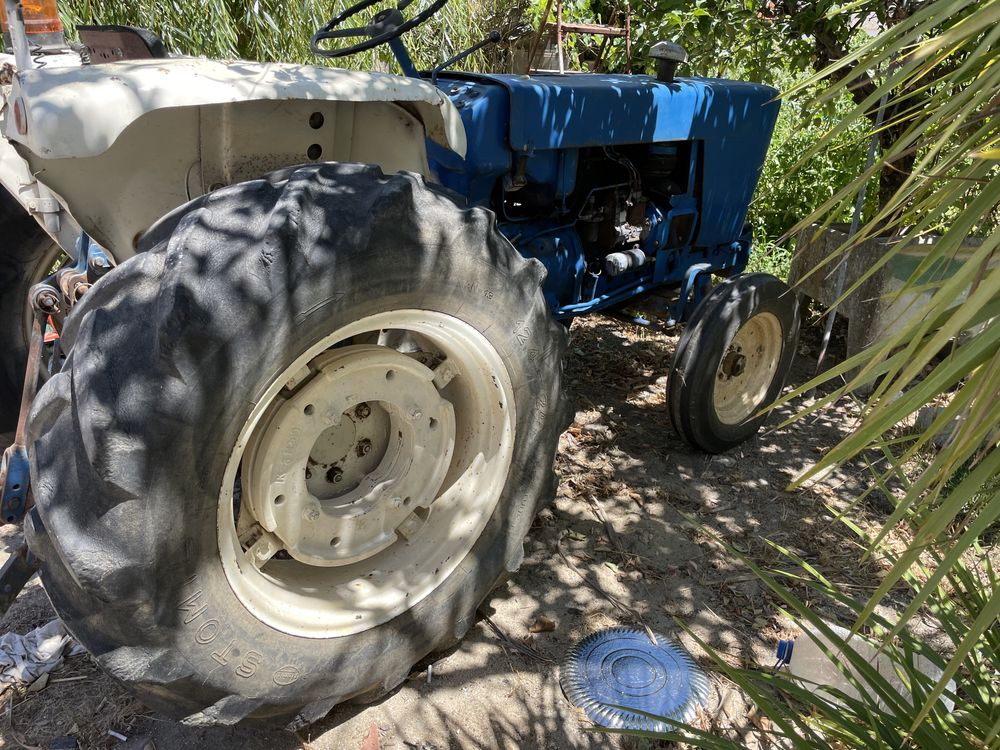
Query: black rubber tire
167	355
24	247
713	326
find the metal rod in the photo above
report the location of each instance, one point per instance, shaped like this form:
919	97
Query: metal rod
859	205
30	375
18	35
628	37
494	37
538	37
559	36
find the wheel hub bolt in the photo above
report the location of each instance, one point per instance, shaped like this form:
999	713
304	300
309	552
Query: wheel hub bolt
362	411
334	475
364	447
45	298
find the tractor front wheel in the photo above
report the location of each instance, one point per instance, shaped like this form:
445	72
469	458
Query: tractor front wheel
732	361
295	443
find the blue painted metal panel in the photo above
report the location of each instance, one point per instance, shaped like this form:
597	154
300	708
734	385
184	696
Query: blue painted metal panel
14	496
585	109
532	128
485	111
733	120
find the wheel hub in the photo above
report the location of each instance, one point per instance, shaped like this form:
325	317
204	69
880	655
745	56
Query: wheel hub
747	369
352	461
399	466
733	364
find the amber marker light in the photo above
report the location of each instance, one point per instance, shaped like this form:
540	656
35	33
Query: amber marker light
41	20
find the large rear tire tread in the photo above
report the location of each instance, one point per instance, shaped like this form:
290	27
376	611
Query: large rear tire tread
166	355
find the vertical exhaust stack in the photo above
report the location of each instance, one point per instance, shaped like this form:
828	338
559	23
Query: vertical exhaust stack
37	21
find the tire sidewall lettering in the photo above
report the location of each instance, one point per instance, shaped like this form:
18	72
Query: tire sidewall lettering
244	662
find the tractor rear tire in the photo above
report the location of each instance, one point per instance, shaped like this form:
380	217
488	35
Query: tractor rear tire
26	253
732	361
175	354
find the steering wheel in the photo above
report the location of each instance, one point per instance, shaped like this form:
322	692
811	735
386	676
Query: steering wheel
385	26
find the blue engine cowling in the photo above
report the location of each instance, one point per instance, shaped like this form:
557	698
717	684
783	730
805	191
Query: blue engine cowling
617	183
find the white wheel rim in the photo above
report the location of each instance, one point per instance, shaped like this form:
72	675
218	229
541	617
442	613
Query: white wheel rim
366	473
747	369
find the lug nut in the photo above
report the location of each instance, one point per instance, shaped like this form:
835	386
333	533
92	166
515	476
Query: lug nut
364	447
334	475
363	411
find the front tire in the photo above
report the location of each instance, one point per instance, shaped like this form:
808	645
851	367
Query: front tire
732	361
193	545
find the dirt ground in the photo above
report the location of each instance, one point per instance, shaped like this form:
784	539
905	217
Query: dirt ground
620	545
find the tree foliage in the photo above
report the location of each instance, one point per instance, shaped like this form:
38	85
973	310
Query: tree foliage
271	30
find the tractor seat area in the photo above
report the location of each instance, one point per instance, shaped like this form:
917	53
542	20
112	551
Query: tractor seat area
116	43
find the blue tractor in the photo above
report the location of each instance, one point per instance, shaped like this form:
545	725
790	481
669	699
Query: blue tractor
286	342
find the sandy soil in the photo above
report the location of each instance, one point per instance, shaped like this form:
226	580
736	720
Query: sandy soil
627	541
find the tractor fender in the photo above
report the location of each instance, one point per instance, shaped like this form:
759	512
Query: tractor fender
81	111
121	144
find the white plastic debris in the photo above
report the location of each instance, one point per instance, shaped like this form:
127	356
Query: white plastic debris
24	658
811	664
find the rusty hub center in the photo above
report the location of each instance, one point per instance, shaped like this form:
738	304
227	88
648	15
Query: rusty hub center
733	364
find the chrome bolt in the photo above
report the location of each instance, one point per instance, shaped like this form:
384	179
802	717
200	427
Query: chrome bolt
362	411
364	447
334	475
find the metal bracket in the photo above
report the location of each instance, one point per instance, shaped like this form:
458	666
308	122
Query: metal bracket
43	206
14	574
14	471
14	476
692	287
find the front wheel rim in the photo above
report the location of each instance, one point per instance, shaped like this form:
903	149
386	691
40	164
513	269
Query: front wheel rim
747	369
366	473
